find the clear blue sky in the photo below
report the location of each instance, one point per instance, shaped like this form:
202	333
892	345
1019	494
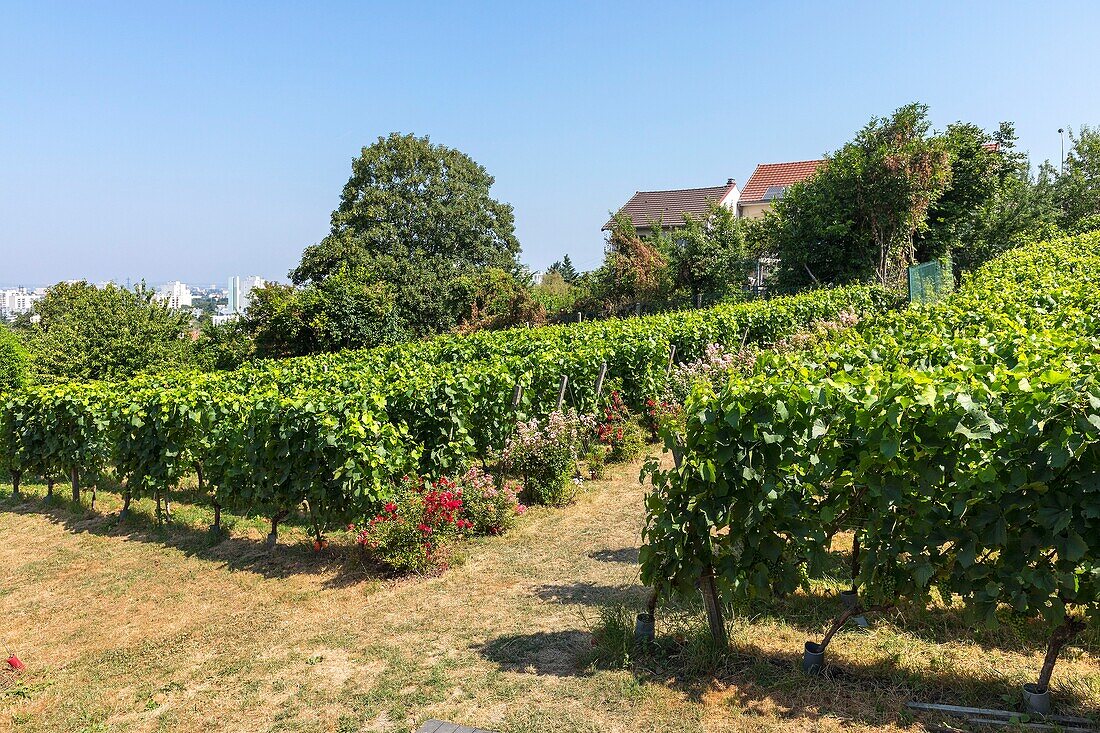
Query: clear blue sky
199	140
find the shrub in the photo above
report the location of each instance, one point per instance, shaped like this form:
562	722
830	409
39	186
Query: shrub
545	454
712	369
489	505
415	531
595	461
620	432
817	333
662	416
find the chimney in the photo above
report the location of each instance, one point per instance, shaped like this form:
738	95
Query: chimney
731	182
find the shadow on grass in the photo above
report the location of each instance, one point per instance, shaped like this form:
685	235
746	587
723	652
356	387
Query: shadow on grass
625	555
812	615
232	552
558	653
590	594
751	679
865	691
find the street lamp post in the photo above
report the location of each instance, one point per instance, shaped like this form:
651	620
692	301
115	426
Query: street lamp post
1062	137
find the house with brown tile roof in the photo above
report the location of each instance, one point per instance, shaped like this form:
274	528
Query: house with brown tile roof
666	209
768	183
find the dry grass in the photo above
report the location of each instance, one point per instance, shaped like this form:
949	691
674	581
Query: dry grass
126	627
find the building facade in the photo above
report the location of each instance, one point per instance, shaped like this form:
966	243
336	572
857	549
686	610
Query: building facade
15	301
240	294
176	295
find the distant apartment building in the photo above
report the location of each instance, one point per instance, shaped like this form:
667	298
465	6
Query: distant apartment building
176	295
15	301
239	296
240	292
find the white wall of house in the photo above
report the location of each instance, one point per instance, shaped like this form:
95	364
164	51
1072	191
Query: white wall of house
731	199
753	210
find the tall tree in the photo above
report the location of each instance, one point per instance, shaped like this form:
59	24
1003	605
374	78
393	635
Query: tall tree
978	163
634	271
564	267
900	170
416	217
1019	208
875	191
411	200
1077	187
79	331
814	232
708	255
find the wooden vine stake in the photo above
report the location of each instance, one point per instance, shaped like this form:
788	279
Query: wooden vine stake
217	525
15	485
561	391
671	359
599	380
74	475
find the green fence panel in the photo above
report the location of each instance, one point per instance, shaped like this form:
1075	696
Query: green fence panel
930	281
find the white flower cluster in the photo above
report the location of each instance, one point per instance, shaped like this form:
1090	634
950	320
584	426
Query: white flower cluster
713	367
561	435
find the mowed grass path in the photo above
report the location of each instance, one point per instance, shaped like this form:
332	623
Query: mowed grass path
132	628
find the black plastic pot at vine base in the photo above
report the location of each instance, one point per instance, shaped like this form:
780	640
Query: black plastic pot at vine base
1037	702
849	598
644	628
813	658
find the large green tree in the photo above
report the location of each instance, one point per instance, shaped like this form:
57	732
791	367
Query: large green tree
708	256
409	199
978	163
80	331
815	234
871	197
415	216
1015	206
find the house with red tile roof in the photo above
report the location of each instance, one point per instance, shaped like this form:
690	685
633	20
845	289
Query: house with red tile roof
666	209
768	182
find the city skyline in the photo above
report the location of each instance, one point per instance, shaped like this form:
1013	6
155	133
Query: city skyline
204	284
